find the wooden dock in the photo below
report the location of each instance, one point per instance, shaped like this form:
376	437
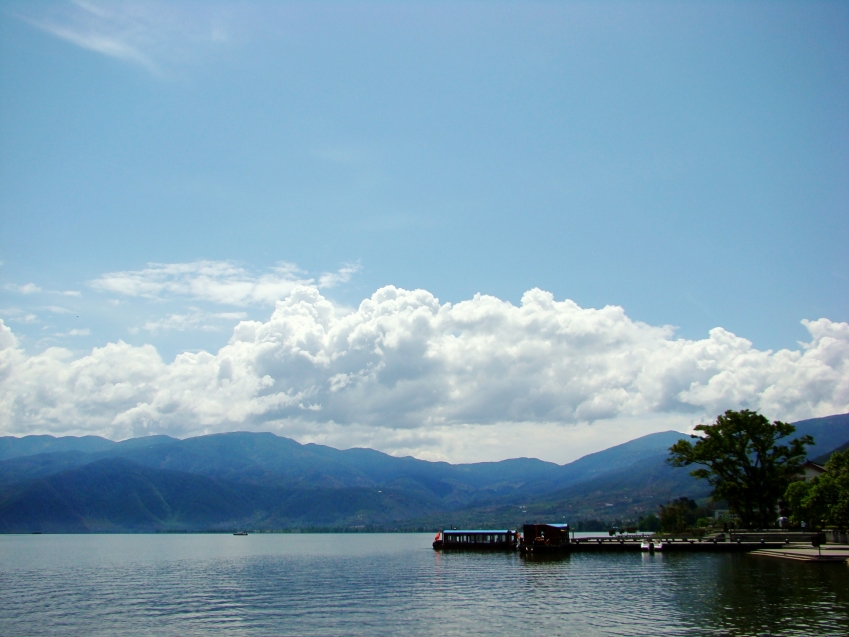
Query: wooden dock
770	543
670	545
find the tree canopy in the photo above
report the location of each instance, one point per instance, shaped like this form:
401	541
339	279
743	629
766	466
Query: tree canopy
743	462
824	500
678	515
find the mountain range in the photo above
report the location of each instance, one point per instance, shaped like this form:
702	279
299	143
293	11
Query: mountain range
262	481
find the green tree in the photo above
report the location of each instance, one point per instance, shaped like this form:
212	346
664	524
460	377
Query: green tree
678	515
744	463
649	523
824	501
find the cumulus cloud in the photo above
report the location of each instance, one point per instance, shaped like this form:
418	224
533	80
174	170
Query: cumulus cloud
220	282
406	373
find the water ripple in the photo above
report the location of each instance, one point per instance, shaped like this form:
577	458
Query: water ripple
390	584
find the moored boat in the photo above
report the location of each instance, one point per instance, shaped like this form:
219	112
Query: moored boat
545	538
476	540
650	546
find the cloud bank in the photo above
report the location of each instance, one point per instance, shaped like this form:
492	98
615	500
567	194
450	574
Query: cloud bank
407	374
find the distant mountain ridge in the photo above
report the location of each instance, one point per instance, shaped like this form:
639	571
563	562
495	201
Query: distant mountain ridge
13	447
259	480
829	432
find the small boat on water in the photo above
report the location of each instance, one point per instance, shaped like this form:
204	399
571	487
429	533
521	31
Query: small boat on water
240	533
650	546
476	540
545	538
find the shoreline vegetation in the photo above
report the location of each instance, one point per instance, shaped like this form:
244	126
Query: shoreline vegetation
761	472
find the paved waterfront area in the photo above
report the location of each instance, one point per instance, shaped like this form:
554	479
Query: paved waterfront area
807	553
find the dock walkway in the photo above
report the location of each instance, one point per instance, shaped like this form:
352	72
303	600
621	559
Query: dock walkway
766	546
828	553
690	545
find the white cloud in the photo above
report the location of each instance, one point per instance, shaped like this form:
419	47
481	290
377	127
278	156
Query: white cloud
32	288
27	288
220	282
111	44
149	34
407	374
76	332
343	275
195	320
56	309
17	315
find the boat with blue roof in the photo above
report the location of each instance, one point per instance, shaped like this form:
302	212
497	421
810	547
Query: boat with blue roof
476	540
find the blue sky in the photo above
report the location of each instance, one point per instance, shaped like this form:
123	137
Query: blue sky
688	162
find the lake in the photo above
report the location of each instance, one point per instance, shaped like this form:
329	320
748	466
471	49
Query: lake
390	584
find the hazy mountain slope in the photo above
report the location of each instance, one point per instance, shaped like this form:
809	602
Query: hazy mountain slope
12	447
829	432
629	454
115	494
266	459
824	457
263	458
250	457
27	461
622	493
25	468
265	481
630	491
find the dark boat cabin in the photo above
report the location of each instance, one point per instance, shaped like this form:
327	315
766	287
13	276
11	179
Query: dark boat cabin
478	539
543	537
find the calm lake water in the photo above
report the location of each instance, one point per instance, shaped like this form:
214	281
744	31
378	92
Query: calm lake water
396	584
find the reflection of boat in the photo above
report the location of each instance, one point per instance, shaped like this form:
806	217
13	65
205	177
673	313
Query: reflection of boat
476	540
650	546
545	538
240	533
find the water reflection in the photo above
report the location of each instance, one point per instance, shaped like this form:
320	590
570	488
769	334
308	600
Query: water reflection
744	594
382	585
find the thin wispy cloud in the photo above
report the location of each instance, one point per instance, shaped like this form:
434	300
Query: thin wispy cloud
343	275
75	332
27	288
18	315
32	288
101	43
152	35
221	282
194	320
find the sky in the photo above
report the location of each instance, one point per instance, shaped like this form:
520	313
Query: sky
462	231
